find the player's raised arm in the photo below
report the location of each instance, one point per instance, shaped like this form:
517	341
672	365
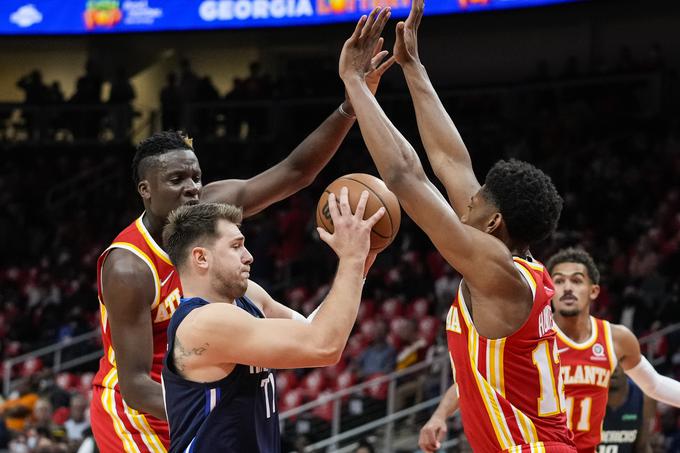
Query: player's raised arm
464	247
445	148
300	167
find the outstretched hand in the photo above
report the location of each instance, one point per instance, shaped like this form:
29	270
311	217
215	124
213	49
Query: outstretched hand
351	237
406	44
361	56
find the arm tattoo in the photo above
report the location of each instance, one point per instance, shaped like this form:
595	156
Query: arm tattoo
181	353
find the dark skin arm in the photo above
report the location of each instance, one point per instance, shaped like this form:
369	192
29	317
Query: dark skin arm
642	444
302	165
129	290
504	298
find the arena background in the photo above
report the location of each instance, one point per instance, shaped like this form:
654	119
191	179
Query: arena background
588	91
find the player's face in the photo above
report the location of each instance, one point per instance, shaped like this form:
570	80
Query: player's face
573	289
230	261
173	182
480	212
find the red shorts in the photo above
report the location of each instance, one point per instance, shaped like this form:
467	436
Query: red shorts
118	428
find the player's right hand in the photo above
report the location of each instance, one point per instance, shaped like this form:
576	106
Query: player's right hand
432	434
351	238
406	43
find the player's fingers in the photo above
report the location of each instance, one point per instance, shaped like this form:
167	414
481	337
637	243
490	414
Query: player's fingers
358	28
369	22
419	10
378	45
361	205
345	210
426	442
399	31
381	20
333	207
324	235
378	58
387	64
440	434
372	220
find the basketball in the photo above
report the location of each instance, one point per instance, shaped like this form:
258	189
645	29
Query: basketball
386	229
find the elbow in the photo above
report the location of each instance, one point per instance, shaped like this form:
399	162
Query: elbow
131	397
401	179
328	350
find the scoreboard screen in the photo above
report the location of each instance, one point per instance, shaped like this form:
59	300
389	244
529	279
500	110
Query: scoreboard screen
63	17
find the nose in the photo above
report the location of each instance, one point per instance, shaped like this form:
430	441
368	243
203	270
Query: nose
192	188
247	257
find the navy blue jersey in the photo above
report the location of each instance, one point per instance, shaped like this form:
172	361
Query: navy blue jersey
621	426
235	414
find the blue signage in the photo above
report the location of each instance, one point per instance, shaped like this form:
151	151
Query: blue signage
125	16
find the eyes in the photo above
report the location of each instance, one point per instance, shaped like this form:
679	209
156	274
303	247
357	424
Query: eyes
177	179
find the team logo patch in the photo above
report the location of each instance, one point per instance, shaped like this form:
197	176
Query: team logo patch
598	350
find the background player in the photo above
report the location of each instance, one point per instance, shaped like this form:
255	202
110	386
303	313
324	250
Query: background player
139	288
590	348
218	388
500	325
629	418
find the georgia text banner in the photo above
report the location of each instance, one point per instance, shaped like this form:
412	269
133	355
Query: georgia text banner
124	16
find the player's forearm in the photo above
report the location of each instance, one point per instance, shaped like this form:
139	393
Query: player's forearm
336	316
395	158
654	385
448	405
145	395
439	134
306	161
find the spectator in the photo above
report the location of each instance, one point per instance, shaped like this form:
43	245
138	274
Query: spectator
379	356
78	423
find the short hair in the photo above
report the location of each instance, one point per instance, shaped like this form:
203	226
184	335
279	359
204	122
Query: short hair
527	199
190	225
574	255
156	145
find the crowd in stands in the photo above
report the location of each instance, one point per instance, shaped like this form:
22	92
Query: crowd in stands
614	157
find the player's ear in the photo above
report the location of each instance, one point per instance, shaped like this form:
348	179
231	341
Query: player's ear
494	222
143	189
594	292
199	257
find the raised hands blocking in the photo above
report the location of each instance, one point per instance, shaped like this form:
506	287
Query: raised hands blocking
406	44
351	238
361	55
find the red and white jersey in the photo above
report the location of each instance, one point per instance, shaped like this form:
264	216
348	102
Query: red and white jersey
509	389
116	426
586	370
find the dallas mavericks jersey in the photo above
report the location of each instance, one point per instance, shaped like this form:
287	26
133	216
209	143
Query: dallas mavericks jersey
621	426
233	415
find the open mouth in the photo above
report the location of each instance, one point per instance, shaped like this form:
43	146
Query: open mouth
192	202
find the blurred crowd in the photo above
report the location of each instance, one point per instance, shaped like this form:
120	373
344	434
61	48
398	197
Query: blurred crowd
610	142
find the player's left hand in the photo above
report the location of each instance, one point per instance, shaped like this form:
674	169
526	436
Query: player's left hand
377	69
361	53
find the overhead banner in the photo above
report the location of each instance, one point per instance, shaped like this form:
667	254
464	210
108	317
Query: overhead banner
57	17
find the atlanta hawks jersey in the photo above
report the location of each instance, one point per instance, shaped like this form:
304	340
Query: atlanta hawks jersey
586	369
509	389
116	426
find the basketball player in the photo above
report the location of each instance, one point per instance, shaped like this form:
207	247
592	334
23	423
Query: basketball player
139	288
218	388
629	418
499	328
590	349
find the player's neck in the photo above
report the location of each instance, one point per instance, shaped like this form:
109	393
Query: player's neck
154	225
193	288
618	398
577	328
